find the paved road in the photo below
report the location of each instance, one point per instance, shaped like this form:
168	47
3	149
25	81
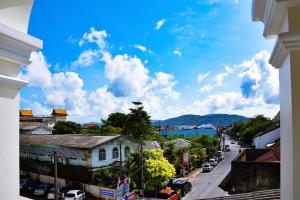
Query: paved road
205	185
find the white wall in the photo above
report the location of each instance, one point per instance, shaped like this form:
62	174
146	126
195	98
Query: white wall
270	137
108	148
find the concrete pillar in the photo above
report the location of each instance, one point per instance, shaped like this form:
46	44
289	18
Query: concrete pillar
15	48
282	18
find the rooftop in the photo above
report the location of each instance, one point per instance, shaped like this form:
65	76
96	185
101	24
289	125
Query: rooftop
68	140
59	112
273	194
26	113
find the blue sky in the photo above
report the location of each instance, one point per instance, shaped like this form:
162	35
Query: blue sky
177	57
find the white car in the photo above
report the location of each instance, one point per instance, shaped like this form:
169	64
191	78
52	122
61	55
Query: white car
207	168
213	162
75	195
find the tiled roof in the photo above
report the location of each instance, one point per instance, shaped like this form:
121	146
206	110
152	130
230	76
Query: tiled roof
273	194
59	112
68	140
26	113
271	156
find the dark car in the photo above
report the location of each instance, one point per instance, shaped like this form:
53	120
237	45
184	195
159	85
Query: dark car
184	185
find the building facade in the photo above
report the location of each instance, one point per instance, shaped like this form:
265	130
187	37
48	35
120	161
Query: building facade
15	49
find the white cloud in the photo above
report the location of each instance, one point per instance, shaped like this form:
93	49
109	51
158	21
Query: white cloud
259	78
94	36
37	72
159	24
220	78
177	52
127	75
86	58
202	77
206	88
140	47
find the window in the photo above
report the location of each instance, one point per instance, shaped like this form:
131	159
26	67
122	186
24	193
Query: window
115	153
127	151
102	154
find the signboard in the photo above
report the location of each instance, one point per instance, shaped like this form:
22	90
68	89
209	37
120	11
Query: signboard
185	159
107	193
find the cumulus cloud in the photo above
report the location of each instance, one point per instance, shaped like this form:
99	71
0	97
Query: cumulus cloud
94	36
219	78
202	77
206	88
86	58
177	52
127	80
259	78
37	72
159	24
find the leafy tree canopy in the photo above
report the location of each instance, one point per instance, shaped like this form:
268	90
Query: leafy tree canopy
246	131
66	127
115	120
156	166
138	124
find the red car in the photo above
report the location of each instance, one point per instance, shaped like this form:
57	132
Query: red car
168	193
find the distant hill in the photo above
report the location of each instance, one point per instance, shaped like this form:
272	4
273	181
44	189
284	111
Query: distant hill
215	119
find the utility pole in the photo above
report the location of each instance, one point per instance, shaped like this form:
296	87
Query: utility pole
121	170
55	176
142	171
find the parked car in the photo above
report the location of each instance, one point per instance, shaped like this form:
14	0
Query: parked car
32	185
75	195
61	193
41	189
212	162
227	148
217	159
207	167
220	154
24	181
183	185
169	194
232	142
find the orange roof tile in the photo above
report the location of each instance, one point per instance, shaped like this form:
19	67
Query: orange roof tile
26	113
59	112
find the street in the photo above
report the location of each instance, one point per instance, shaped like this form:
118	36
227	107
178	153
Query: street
205	185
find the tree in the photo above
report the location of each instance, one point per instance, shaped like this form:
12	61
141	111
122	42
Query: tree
66	127
115	120
157	168
138	124
246	131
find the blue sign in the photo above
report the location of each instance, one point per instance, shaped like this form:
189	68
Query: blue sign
106	192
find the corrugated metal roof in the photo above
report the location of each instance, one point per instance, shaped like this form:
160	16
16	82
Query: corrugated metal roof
69	140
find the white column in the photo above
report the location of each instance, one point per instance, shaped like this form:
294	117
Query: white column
282	18
15	48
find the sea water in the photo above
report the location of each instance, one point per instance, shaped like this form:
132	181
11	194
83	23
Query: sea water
189	132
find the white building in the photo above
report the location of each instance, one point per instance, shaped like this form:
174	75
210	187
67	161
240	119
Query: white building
15	49
82	150
262	140
281	18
